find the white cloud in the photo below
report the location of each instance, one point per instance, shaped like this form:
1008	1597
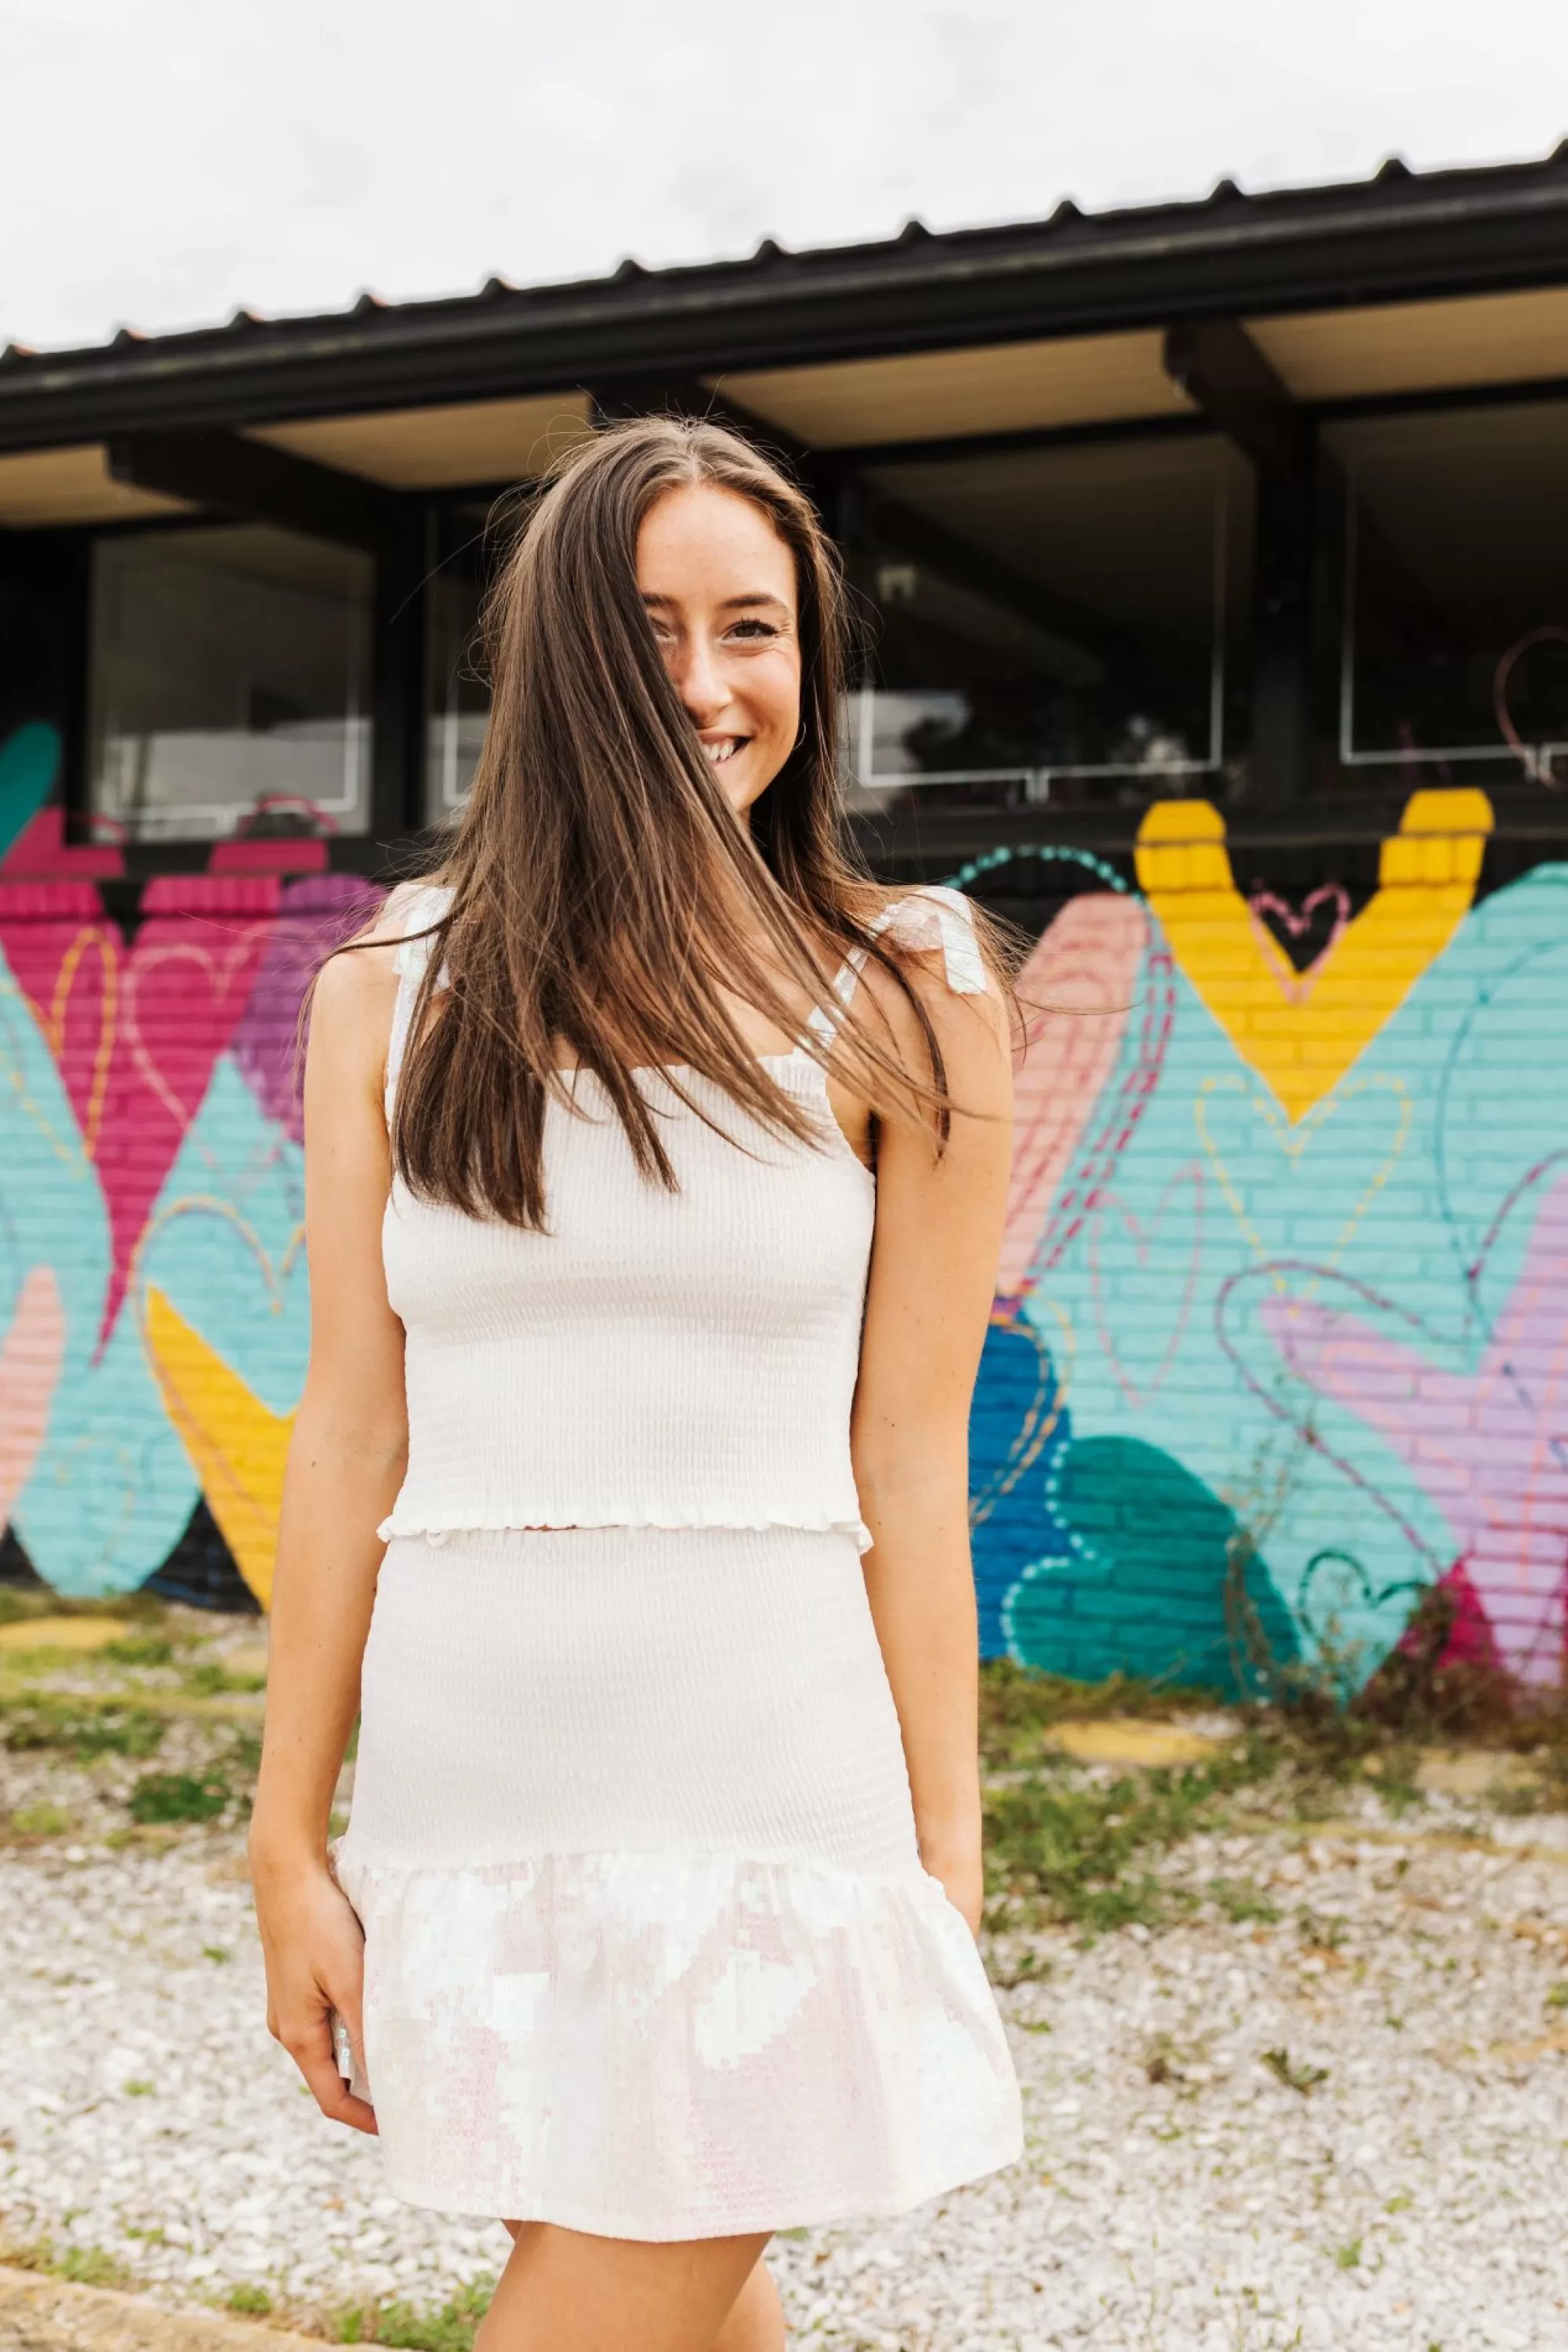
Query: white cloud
164	161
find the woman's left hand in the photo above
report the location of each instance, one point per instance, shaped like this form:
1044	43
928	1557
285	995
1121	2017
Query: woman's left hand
963	1878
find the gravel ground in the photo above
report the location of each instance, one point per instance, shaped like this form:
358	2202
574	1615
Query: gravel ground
1390	2180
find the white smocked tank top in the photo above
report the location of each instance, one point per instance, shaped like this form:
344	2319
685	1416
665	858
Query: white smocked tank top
654	1358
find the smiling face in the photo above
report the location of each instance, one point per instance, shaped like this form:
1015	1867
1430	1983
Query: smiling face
720	587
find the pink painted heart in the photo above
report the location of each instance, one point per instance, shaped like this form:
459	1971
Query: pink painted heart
1541	768
31	1353
67	963
1484	1443
1134	1306
1272	915
136	1033
187	981
1076	991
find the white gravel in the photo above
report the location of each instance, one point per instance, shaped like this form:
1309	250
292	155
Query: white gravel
1177	2195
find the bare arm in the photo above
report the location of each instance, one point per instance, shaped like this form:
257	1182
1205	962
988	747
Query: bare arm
345	1464
933	1265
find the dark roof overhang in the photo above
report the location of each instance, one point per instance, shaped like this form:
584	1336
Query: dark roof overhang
1398	236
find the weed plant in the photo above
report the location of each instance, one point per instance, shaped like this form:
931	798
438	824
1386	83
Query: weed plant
1076	1849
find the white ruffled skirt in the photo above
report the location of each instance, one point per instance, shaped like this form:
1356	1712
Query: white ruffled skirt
649	1952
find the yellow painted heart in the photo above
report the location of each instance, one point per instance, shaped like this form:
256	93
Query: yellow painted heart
237	1446
1300	1032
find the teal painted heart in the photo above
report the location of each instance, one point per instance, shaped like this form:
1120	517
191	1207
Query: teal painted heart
29	762
1152	1579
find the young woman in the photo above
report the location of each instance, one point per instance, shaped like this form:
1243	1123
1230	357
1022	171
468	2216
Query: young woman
656	1164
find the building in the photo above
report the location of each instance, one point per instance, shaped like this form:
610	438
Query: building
1218	557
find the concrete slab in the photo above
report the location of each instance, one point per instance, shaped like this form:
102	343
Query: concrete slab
45	2315
63	1633
1474	1771
1128	1739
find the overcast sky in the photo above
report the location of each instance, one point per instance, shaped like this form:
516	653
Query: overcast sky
163	161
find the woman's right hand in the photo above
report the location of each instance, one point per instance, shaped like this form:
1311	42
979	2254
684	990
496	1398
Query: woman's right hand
314	1948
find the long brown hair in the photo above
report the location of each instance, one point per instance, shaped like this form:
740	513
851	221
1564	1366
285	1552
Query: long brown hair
603	892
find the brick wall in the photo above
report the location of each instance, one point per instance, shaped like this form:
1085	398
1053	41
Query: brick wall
1284	1290
1285	1286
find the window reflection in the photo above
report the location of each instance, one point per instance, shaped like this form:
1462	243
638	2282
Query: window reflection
1052	622
229	685
457	704
1454	637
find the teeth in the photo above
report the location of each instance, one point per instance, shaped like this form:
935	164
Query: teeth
719	752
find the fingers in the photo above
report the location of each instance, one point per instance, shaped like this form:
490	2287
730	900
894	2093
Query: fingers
315	1966
337	2103
348	1999
309	2044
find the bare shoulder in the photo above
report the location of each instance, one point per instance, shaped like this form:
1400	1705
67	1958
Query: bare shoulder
355	990
944	959
360	976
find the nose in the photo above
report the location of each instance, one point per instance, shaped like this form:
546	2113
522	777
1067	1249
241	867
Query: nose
696	674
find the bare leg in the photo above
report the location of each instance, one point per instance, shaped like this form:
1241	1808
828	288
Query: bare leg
565	2292
756	2318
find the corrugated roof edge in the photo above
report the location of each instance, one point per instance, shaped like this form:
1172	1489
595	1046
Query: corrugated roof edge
1289	248
1106	226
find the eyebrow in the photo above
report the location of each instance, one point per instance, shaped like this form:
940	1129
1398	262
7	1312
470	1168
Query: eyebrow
729	604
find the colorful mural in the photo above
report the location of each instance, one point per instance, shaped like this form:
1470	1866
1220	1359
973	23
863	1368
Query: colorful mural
1282	1331
1286	1277
154	1320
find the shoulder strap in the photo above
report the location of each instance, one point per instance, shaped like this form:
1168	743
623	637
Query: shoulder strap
930	917
417	906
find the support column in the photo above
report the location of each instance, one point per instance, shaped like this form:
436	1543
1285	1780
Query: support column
1226	376
397	727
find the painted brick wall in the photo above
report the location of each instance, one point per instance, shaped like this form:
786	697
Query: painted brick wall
1284	1292
1285	1288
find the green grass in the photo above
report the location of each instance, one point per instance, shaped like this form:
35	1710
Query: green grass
17	1607
1239	1900
1018	1705
90	2267
1082	1847
139	1650
165	1797
255	2300
1078	1850
82	2265
450	2329
211	1680
43	1720
42	1820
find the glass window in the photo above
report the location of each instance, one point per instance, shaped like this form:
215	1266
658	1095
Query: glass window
458	694
1052	624
230	689
1454	627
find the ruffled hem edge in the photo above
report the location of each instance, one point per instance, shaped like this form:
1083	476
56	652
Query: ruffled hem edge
665	2045
769	2220
669	1518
